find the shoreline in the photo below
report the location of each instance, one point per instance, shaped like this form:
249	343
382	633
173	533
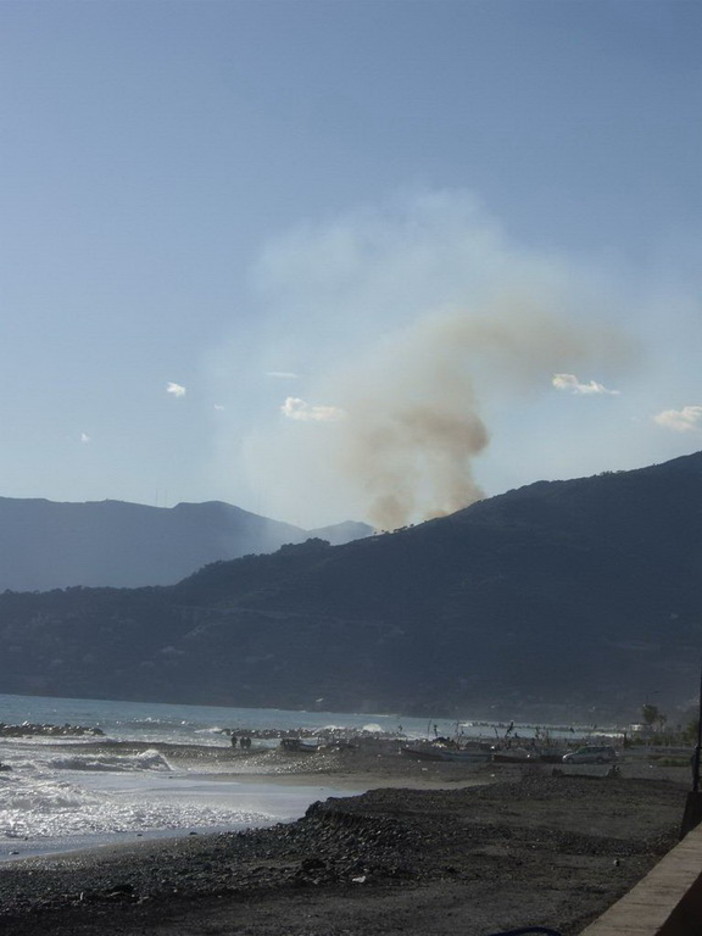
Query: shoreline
321	777
330	772
429	847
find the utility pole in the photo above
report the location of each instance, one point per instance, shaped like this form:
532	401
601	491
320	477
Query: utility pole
693	805
698	746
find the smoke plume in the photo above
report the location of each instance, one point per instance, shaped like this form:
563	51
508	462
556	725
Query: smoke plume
415	328
414	424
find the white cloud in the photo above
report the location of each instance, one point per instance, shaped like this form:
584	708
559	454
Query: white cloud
571	383
687	419
85	438
176	390
282	375
218	407
295	408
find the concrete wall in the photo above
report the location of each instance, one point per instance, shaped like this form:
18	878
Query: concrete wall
667	902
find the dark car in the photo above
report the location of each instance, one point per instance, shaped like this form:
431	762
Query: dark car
591	754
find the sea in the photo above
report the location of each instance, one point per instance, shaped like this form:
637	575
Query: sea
155	770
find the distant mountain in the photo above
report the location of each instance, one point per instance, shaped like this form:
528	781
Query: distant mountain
45	545
561	600
340	533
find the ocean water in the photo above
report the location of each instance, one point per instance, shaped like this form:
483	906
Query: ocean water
60	793
160	770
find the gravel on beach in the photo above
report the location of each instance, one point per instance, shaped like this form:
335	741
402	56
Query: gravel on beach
524	848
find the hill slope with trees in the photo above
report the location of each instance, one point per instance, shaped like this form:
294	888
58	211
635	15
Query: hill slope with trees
560	600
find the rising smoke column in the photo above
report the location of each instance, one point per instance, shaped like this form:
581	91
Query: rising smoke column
420	462
414	427
414	325
409	440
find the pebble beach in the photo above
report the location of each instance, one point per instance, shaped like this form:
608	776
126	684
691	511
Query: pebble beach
430	847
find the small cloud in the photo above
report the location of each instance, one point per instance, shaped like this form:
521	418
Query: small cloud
571	383
85	438
282	375
295	408
219	407
687	419
175	389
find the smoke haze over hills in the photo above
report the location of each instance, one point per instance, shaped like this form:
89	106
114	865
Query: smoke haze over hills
45	545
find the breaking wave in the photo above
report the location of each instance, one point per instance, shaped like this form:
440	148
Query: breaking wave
114	763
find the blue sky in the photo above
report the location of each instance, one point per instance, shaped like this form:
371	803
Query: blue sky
331	260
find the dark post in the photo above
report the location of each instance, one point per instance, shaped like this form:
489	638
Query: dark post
693	807
696	761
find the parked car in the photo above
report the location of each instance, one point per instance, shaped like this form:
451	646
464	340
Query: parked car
591	755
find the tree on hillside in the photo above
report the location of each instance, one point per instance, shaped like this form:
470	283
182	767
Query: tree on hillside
652	715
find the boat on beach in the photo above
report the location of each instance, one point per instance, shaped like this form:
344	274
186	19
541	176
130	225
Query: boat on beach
514	755
474	754
298	746
467	756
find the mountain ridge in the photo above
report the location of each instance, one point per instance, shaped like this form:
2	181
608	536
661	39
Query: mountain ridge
559	600
56	544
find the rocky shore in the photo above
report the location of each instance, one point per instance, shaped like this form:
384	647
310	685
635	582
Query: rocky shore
27	729
524	848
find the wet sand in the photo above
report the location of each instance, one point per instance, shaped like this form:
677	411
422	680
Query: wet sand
431	848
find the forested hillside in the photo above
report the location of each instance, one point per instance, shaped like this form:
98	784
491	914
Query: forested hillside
576	599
